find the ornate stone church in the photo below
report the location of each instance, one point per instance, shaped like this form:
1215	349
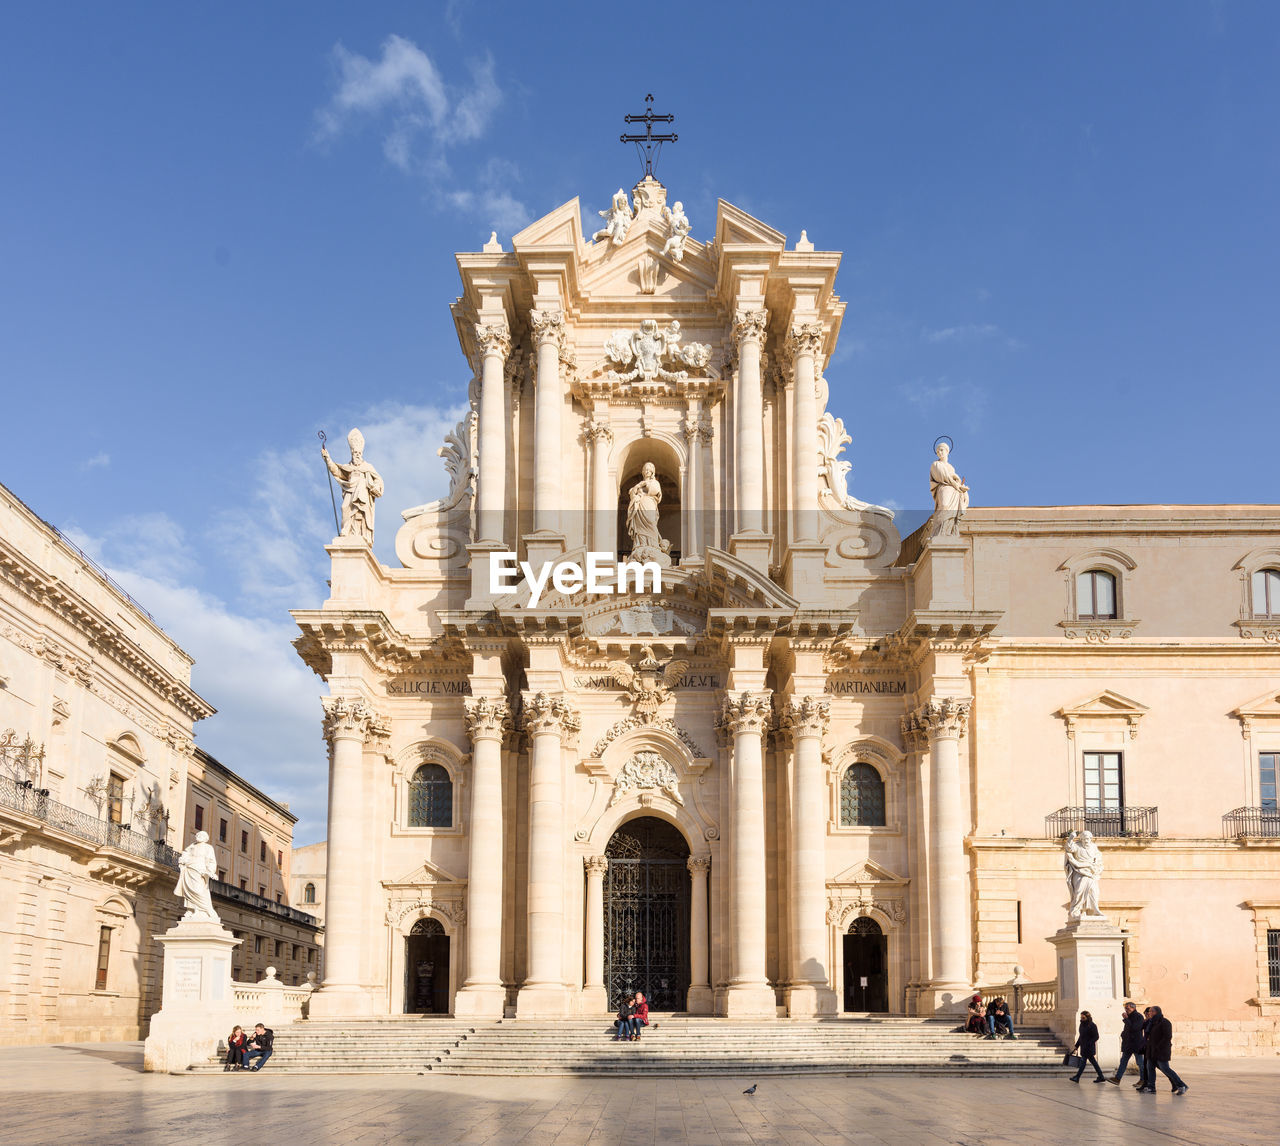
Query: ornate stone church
810	766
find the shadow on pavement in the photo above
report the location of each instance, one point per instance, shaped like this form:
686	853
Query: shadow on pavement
128	1056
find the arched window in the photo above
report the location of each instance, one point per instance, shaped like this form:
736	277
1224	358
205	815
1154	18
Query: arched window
1266	593
431	797
309	893
861	797
1096	596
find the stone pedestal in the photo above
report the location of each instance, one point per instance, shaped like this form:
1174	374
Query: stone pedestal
197	1007
940	574
1090	978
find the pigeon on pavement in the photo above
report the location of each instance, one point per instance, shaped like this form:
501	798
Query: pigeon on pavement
751	1089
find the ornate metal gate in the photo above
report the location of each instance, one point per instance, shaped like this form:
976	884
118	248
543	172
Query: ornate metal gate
646	912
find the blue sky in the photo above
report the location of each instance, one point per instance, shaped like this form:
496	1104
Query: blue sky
223	228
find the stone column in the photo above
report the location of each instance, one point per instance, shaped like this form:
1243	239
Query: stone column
942	721
805	342
548	333
699	999
810	992
546	720
696	432
595	997
746	715
749	330
349	722
604	500
494	341
482	993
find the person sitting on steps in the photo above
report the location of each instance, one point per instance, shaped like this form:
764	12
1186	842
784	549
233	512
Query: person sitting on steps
639	1016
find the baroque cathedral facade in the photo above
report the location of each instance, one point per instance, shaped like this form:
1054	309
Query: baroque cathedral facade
823	767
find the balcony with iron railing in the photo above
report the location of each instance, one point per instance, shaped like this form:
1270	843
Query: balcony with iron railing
232	894
1109	823
25	798
1251	823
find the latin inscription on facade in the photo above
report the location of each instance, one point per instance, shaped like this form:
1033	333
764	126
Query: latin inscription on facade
859	686
693	680
423	686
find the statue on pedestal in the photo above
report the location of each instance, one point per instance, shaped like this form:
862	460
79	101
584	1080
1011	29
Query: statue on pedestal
950	494
196	866
361	486
1082	862
647	544
617	219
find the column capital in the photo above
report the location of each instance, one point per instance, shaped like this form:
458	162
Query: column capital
806	715
353	718
939	718
595	865
548	326
750	325
494	337
488	718
597	430
542	712
805	338
746	712
698	865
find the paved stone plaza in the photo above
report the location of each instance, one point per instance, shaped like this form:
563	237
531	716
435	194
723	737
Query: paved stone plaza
96	1092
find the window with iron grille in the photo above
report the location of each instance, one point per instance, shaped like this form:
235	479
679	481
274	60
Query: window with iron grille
861	797
1096	596
1273	962
431	798
1267	762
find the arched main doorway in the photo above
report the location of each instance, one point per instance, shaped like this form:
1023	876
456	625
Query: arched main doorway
426	969
646	915
866	967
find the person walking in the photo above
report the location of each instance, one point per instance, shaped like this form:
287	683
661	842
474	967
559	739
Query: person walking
1087	1045
1145	1079
1159	1052
1133	1042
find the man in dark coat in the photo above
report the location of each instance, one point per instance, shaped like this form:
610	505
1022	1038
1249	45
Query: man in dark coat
1087	1045
260	1047
1159	1052
1133	1043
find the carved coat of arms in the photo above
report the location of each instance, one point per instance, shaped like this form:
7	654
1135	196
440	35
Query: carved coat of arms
649	683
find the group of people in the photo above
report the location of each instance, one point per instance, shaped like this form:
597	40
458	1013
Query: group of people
1147	1038
243	1049
632	1016
992	1021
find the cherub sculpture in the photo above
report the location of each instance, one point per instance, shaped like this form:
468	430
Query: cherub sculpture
617	219
678	221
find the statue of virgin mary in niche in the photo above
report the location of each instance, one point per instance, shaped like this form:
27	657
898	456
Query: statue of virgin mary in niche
647	544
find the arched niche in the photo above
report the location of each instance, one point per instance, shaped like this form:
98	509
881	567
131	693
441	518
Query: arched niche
668	461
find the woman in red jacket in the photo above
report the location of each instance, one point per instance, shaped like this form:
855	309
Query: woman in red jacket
639	1016
235	1049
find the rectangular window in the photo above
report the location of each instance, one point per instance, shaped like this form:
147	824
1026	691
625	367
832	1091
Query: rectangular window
244	841
1103	782
280	859
262	851
262	891
311	955
115	798
279	948
244	885
199	818
295	951
279	897
222	831
104	957
222	875
1019	921
257	944
1267	762
1273	962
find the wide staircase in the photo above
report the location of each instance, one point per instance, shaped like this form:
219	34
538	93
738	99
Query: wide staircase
679	1046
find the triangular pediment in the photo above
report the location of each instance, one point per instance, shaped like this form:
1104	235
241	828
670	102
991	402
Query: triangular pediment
426	874
636	269
1105	703
734	227
559	228
867	872
1268	704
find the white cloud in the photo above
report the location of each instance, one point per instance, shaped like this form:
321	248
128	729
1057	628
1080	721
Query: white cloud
100	460
970	333
421	116
967	402
926	395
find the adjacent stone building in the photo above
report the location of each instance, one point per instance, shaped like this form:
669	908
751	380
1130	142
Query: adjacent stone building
824	767
96	718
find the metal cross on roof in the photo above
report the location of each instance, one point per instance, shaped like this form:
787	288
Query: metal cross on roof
648	145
